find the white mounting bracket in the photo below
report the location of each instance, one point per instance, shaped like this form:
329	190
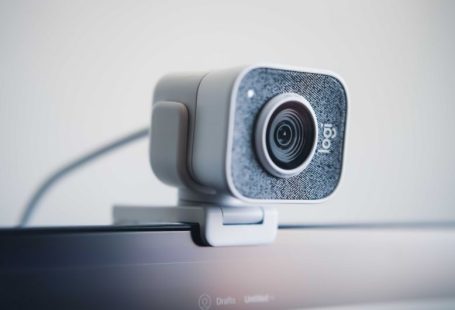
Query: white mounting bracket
219	225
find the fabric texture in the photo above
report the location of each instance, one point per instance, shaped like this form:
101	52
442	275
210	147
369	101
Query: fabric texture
328	99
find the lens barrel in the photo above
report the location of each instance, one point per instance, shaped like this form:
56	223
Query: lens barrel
286	135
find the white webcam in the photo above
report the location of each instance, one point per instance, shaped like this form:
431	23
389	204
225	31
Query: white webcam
235	141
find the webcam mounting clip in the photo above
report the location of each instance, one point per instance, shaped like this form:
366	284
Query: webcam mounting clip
218	225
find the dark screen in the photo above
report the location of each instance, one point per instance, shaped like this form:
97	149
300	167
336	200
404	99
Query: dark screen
163	268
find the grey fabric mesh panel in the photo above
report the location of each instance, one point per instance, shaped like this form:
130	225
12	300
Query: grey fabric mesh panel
328	99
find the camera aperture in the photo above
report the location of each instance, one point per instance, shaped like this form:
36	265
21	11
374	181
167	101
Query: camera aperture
286	134
290	135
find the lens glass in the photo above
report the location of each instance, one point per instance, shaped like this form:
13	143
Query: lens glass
290	135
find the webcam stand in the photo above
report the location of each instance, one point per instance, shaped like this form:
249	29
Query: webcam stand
221	222
219	225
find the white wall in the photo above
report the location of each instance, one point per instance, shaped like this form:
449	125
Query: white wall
74	74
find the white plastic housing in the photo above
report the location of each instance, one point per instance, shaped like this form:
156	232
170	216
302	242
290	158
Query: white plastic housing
209	99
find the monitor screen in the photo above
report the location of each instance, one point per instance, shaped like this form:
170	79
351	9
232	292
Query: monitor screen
161	267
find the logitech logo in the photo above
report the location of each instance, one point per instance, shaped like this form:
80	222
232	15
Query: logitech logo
329	133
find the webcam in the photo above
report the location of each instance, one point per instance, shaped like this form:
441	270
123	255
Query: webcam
237	141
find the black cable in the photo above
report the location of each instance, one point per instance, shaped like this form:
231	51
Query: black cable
51	180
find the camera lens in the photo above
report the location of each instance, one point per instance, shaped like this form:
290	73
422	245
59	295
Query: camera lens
286	135
290	135
283	134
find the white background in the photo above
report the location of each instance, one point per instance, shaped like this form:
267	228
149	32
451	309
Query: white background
74	74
